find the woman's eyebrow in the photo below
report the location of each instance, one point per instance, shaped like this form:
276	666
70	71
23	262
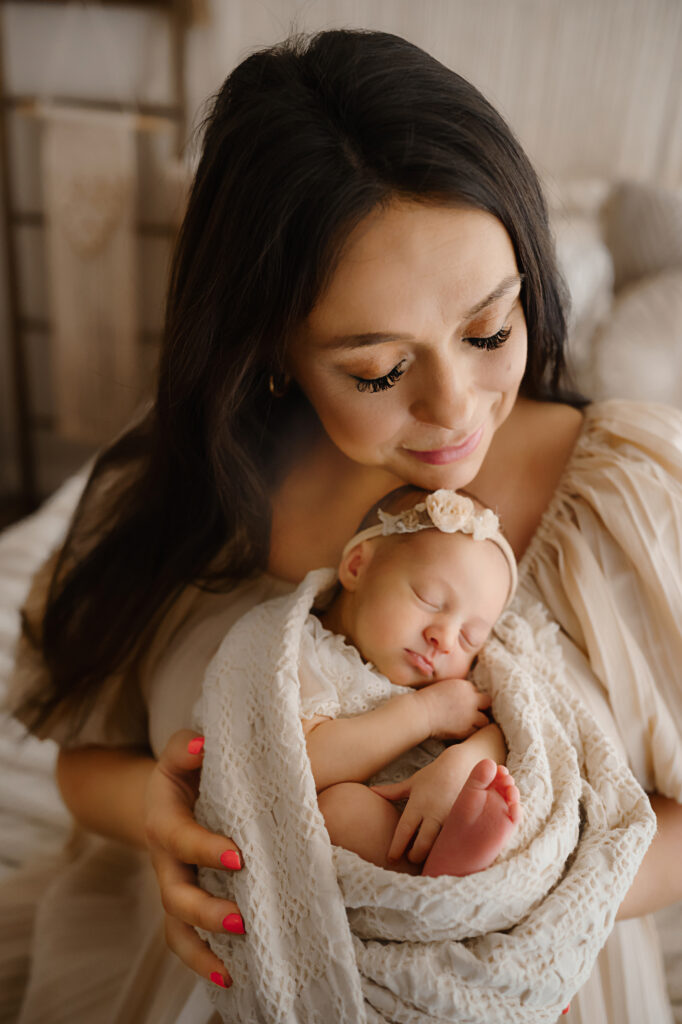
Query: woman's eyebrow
378	337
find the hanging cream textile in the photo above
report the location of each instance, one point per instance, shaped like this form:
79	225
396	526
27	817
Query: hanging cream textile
90	187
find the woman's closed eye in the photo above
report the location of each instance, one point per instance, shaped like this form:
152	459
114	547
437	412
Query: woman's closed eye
390	379
493	341
375	384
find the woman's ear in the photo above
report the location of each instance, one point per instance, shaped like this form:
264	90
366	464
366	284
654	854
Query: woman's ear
354	564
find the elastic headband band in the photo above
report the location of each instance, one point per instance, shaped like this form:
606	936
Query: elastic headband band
448	512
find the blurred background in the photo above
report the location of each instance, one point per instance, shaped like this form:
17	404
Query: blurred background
98	123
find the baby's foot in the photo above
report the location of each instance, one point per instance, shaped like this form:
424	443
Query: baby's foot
482	819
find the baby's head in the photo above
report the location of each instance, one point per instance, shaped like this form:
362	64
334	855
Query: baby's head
423	582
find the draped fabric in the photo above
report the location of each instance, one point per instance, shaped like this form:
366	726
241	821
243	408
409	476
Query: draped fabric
90	186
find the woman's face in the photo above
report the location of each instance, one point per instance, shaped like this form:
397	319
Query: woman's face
413	356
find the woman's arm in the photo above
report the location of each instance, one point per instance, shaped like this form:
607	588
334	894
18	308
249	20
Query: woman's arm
658	883
104	788
127	795
353	749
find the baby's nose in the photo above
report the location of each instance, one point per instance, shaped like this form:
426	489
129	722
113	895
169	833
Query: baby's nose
440	637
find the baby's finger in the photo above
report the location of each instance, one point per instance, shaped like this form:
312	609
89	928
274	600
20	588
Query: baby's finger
182	898
484	701
426	837
195	953
393	790
408	824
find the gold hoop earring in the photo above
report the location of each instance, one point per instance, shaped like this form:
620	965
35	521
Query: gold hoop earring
278	386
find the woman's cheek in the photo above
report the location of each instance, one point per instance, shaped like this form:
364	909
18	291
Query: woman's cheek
507	370
363	421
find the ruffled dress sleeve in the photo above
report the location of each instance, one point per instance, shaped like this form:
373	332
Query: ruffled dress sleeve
606	561
334	680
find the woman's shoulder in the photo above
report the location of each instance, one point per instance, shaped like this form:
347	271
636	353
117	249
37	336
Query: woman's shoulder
622	480
526	464
632	429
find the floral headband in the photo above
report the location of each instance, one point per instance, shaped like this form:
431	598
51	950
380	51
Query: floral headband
448	512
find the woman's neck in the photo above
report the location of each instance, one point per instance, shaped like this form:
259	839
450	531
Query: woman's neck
321	500
318	506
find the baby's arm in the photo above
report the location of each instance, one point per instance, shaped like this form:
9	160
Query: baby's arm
432	791
353	749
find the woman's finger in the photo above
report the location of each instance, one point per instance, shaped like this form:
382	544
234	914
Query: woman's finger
183	752
183	838
195	953
182	898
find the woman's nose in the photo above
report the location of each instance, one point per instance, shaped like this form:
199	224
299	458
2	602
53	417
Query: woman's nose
447	398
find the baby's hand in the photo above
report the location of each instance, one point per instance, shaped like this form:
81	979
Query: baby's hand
430	793
454	708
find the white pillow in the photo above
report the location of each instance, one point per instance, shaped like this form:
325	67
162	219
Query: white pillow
586	265
643	229
638	351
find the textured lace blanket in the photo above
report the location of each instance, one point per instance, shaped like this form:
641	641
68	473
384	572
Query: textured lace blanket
330	937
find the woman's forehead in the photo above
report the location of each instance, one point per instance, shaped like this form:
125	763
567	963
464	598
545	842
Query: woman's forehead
408	262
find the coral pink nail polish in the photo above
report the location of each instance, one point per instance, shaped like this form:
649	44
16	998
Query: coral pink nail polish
196	745
566	1010
234	923
217	979
231	859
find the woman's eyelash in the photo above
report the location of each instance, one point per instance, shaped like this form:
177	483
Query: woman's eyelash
375	384
494	341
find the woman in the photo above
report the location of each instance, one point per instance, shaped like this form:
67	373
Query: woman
364	293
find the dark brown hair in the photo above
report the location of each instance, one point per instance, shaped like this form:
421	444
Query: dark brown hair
303	140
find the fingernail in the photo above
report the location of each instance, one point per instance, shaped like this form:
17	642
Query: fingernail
234	923
196	745
566	1010
217	979
230	859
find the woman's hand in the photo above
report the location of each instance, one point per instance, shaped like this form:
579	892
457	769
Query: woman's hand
176	844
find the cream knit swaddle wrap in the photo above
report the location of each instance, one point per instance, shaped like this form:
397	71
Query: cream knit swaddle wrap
331	937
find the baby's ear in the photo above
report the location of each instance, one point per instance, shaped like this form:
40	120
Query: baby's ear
353	565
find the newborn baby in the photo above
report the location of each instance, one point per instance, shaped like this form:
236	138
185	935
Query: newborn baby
420	590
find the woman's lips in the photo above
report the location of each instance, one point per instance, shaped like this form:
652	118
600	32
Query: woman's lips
441	456
419	662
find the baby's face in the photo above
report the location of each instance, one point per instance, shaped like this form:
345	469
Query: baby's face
424	605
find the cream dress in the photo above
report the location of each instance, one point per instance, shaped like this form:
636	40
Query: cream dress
607	563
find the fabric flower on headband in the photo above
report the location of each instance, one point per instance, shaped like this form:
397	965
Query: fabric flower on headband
455	513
